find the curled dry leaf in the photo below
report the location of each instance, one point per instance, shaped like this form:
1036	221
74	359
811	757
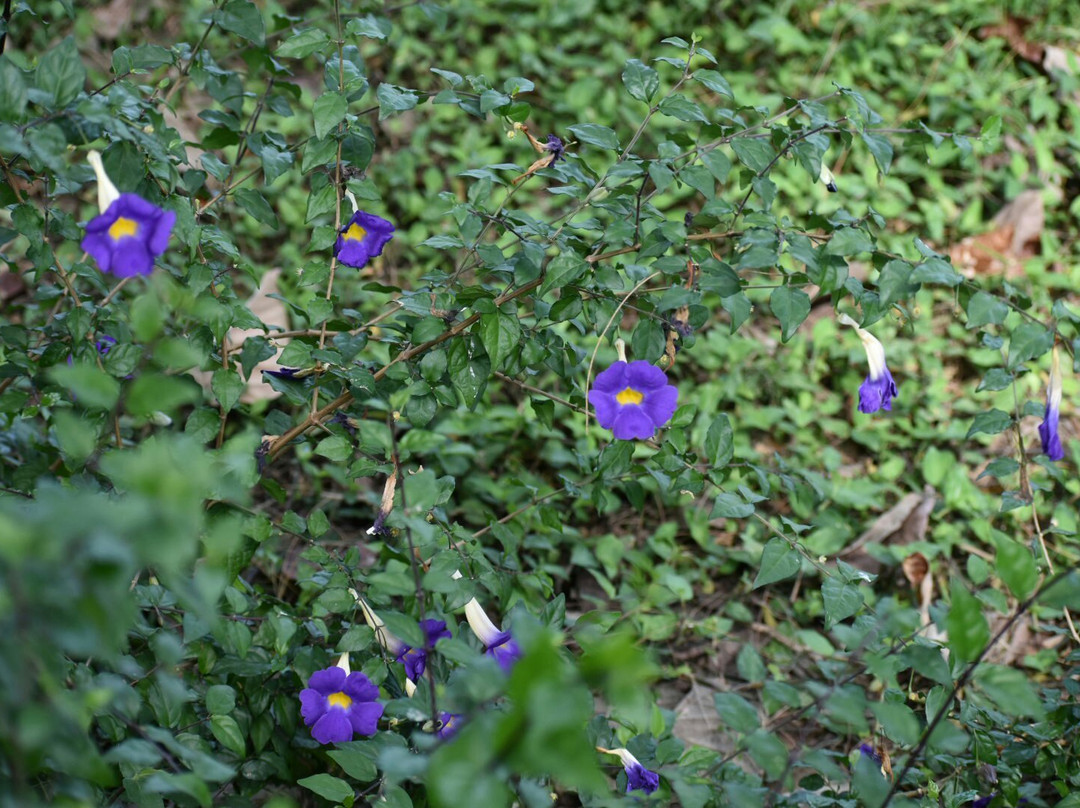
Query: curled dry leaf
1015	236
915	568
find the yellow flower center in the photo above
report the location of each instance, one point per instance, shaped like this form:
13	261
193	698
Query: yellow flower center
630	396
123	227
355	233
339	699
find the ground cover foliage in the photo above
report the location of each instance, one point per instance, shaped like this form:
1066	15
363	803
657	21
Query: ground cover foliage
777	600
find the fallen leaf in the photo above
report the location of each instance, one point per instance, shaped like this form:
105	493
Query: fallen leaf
915	568
1016	233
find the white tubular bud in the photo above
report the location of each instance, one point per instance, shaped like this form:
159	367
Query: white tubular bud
387	640
343	663
875	351
480	623
106	191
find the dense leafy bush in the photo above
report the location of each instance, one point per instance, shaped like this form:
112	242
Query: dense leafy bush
824	576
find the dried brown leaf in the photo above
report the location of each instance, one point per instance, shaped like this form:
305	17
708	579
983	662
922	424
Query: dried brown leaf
915	568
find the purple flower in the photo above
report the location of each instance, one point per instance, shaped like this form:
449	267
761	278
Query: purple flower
638	778
504	650
878	389
1048	429
362	238
982	802
633	400
283	373
499	645
128	236
866	750
415	659
450	724
555	146
337	705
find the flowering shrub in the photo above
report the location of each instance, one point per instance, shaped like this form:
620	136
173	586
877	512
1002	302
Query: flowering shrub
249	427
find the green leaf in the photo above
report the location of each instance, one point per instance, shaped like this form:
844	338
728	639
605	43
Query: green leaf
356	763
842	599
640	80
791	306
991	422
898	722
329	110
1029	341
337	448
682	108
468	374
966	624
779	560
302	43
714	81
220	699
501	335
769	752
1016	565
596	135
60	72
737	713
1010	689
257	206
719	442
242	17
156	392
730	506
984	309
393	100
332	788
90	386
753	153
12	91
850	241
370	26
228	734
991	127
881	148
937	270
227	387
562	271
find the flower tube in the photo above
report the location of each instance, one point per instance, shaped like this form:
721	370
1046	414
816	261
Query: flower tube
878	389
1048	429
637	776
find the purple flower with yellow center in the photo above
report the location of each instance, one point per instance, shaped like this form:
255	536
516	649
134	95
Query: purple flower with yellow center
878	389
338	704
633	399
499	645
415	659
1048	429
130	232
449	724
638	778
362	238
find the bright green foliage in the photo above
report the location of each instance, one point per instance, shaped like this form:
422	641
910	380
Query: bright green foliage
183	538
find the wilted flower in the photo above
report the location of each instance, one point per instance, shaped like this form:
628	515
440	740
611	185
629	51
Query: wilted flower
877	391
878	756
633	400
386	505
827	179
637	776
415	659
130	232
1048	429
363	237
555	146
499	645
338	704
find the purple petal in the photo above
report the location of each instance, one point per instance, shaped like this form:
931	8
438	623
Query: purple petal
333	727
312	705
159	239
364	717
99	247
633	424
451	723
877	394
328	680
434	630
359	688
640	778
356	253
606	407
415	662
130	257
644	376
505	651
1048	434
660	404
612	380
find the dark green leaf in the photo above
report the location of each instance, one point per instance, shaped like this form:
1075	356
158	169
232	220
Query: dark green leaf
991	422
791	306
1029	341
60	72
719	442
242	17
966	624
596	135
779	560
332	788
641	81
